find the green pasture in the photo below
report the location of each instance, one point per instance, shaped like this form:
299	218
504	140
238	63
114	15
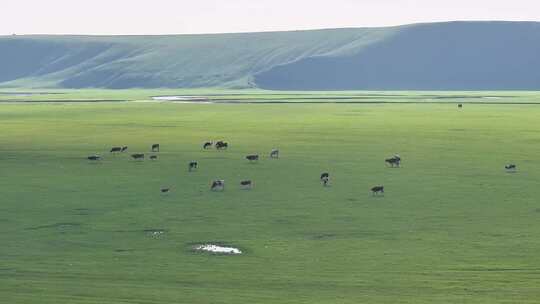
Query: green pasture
452	227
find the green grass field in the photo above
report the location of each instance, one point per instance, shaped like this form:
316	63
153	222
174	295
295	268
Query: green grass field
452	227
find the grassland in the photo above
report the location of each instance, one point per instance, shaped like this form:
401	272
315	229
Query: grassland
453	226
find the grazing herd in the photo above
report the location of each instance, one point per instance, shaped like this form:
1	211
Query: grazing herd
219	185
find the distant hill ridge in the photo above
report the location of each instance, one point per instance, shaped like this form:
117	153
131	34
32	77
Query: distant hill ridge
432	56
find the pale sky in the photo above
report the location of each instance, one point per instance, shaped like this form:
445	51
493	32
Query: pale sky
113	17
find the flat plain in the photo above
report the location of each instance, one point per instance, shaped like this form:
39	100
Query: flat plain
452	227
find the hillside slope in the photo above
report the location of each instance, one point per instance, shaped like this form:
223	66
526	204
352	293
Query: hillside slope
446	56
438	56
166	61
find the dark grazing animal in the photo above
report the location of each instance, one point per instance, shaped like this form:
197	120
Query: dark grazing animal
165	190
218	185
155	148
377	190
124	149
510	167
153	157
325	175
325	180
252	158
274	153
246	184
193	165
221	145
94	157
460	106
137	156
116	149
207	145
393	161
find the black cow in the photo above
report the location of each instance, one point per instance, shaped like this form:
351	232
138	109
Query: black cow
155	148
165	190
116	149
274	153
94	157
460	106
510	167
377	190
325	175
153	157
124	149
394	161
207	145
247	184
137	156
193	165
325	180
218	185
221	145
252	158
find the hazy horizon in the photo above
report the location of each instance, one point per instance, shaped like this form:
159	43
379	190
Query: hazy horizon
167	17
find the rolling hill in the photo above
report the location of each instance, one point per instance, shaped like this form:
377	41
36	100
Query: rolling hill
436	56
